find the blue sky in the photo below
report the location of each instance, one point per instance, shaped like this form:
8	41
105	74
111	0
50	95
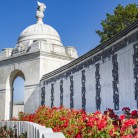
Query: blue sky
75	20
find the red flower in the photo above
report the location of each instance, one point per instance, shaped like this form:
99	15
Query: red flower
126	109
63	118
136	130
122	117
101	124
128	136
130	122
111	132
56	129
97	113
65	125
90	124
78	135
91	121
134	113
84	117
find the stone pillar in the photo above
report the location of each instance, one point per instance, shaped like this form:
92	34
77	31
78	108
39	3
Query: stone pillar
32	98
7	103
2	103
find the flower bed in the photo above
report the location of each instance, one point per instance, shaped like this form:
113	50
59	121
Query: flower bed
78	124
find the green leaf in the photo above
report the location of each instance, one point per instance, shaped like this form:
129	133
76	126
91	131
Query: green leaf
119	20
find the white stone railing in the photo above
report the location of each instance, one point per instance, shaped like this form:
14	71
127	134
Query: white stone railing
33	130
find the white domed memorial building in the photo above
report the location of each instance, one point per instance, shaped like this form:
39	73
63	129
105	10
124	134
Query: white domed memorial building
39	50
105	77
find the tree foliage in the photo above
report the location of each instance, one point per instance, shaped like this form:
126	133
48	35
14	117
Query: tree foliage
119	20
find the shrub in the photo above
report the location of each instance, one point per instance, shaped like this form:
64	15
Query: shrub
79	124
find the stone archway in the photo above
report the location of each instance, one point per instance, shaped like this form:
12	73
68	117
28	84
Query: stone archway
14	109
9	92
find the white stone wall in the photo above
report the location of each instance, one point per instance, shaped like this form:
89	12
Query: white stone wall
49	63
77	90
90	89
48	95
125	75
106	84
126	78
66	92
57	94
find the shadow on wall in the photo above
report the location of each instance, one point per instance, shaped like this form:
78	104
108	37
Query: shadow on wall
33	92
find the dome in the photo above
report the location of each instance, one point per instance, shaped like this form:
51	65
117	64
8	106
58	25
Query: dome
39	31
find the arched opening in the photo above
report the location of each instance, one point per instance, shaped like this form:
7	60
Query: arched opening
17	80
18	93
18	96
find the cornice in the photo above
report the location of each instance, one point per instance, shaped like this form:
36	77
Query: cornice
19	58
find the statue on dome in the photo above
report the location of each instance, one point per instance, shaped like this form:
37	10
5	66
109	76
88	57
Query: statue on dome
40	12
41	6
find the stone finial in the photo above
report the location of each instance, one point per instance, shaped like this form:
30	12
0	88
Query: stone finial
40	12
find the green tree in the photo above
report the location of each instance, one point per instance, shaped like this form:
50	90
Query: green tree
119	20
